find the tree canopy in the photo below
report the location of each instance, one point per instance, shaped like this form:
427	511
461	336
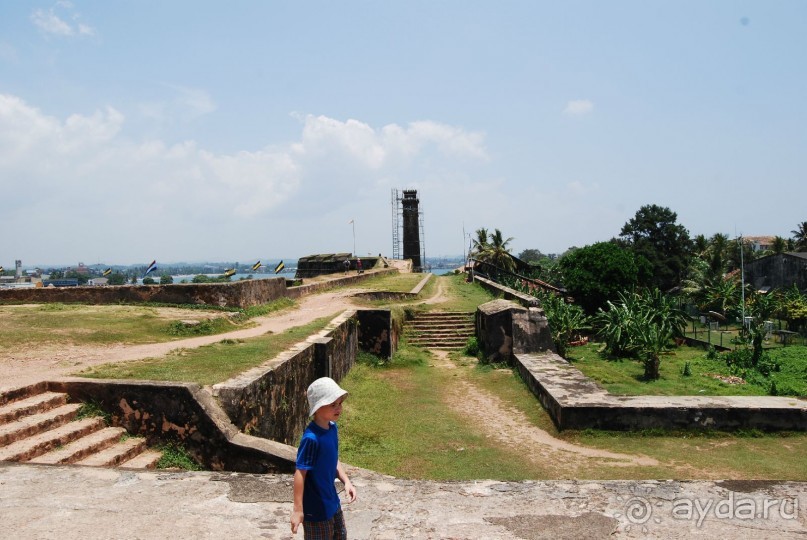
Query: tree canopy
595	274
654	234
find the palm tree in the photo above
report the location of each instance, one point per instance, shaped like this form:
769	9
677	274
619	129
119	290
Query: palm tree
779	245
480	242
498	251
800	236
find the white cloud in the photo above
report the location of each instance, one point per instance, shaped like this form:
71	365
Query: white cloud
49	22
120	197
579	107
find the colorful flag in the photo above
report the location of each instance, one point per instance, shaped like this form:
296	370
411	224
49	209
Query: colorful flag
152	267
107	272
256	266
2	269
229	272
279	267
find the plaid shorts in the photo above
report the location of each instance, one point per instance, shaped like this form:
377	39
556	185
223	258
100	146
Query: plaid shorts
331	529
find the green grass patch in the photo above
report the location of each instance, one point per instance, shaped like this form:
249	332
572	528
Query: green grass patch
209	364
393	282
176	456
461	295
93	409
396	422
625	376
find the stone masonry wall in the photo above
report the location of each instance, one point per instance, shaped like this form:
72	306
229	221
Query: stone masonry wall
241	294
270	401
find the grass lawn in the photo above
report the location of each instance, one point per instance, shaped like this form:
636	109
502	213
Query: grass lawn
97	325
393	282
626	376
209	364
397	421
461	295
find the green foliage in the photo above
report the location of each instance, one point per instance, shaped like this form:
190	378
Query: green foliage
148	280
175	456
495	251
472	347
654	234
595	274
166	279
192	328
93	409
565	319
641	325
116	278
687	371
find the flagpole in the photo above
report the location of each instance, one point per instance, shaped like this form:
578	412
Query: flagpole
353	222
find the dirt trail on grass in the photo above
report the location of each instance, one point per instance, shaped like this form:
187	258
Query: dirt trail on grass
46	361
511	427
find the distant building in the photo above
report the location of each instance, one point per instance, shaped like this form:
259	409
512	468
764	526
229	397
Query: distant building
760	243
780	271
82	269
98	282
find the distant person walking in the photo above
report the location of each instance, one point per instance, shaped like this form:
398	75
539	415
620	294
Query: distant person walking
316	502
359	269
347	265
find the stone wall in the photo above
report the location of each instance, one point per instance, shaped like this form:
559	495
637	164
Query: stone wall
182	413
269	401
505	328
240	294
778	271
574	401
506	292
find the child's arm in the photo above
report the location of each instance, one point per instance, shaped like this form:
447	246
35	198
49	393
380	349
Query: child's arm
349	489
297	510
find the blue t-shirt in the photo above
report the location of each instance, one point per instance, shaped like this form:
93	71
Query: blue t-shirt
318	454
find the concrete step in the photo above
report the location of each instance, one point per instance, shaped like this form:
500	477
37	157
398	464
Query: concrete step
116	454
82	447
37	423
27	449
16	394
31	405
144	460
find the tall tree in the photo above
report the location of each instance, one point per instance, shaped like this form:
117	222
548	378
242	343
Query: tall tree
654	234
498	251
779	245
480	243
800	236
595	274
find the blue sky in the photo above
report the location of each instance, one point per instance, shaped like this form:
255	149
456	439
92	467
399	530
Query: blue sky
187	131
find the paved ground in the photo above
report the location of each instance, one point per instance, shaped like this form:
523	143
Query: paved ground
80	503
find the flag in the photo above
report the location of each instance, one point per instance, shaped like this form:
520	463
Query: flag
2	269
229	272
152	267
280	266
107	272
256	266
349	222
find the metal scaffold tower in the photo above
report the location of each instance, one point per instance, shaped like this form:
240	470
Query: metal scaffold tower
396	224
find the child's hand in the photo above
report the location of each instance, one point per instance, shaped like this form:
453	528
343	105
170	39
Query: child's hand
296	519
350	491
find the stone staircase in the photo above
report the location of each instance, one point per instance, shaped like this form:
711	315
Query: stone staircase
440	330
42	427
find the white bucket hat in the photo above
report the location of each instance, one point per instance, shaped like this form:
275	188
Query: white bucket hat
323	391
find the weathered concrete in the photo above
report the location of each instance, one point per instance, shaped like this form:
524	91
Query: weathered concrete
79	503
269	400
504	328
242	294
576	402
507	293
182	412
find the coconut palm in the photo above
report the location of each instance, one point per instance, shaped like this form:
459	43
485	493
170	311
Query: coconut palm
779	245
480	243
496	251
800	236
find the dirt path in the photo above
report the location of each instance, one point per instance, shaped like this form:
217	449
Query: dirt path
511	427
50	361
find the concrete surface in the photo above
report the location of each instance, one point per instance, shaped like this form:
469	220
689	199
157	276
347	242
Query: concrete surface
69	502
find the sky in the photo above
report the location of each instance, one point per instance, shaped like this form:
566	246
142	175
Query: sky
217	131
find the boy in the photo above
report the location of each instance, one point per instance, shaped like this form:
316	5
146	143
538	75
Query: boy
316	503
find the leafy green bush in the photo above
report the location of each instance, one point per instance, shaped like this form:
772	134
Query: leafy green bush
176	456
472	347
